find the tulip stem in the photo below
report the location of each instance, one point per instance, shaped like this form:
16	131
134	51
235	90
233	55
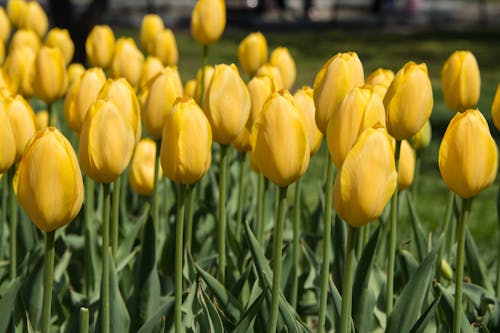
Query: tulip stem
105	261
88	216
278	240
52	115
3	222
447	221
191	190
325	266
204	62
48	276
221	225
498	248
241	183
462	228
84	320
154	201
178	258
296	252
115	213
345	319
13	225
260	209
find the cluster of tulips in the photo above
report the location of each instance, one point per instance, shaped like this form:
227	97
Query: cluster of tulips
375	129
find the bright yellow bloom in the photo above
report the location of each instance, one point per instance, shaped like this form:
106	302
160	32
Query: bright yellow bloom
127	61
75	70
305	105
151	25
252	53
24	37
165	47
49	181
208	21
2	52
274	73
495	108
209	71
4	26
242	142
260	88
152	67
279	140
6	88
367	179
468	156
61	39
422	139
282	59
42	120
15	10
7	142
185	157
406	166
50	79
380	77
34	18
408	101
20	66
190	89
100	46
461	81
22	121
142	167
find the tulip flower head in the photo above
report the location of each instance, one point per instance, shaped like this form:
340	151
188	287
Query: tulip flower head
274	73
252	52
208	21
50	80
260	88
495	108
5	27
75	70
422	139
24	37
42	120
20	66
152	67
209	71
142	167
22	121
34	18
100	46
190	89
61	39
305	105
242	142
7	142
381	77
165	47
281	58
127	61
406	166
151	25
15	11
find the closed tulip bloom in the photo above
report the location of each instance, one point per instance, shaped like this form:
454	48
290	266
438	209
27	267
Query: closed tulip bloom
461	81
49	181
185	157
41	120
4	26
242	141
335	79
127	61
468	156
227	104
260	88
495	108
209	71
2	52
81	95
5	83
75	70
190	89
422	139
163	92
360	109
24	37
15	11
100	46
151	25
380	77
282	59
305	105
34	18
106	142
274	73
406	166
61	39
165	47
7	142
22	121
20	66
279	140
152	67
360	193
252	52
408	101
142	167
208	21
50	79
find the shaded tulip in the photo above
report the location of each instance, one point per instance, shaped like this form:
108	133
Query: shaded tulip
185	157
274	73
151	25
50	80
209	71
7	142
100	46
252	53
305	105
279	140
142	167
165	47
282	59
468	156
360	109
242	141
208	21
495	108
2	52
422	139
5	27
6	88
24	37
461	81
20	66
260	88
163	91
152	67
335	79
41	120
360	193
406	166
75	70
49	181
380	77
15	11
34	18
408	101
227	104
102	156
127	61
190	89
61	39
22	121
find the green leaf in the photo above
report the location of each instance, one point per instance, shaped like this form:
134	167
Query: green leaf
447	304
152	322
339	243
248	316
126	244
418	231
119	317
426	317
408	264
475	264
210	311
7	302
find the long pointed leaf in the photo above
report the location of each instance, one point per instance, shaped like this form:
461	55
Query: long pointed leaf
7	302
447	304
418	231
153	321
245	322
475	264
426	317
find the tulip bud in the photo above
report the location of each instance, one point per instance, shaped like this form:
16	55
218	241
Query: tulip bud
260	88
335	79
305	106
468	157
100	46
15	10
209	71
406	166
274	73
22	121
24	37
152	67
49	181
279	140
165	47
446	270
4	26
7	142
151	25
461	81
227	104
127	61
163	91
142	167
242	141
360	193
360	109
495	108
34	18
252	53
190	89
50	80
282	59
102	156
380	77
61	39
422	139
41	120
208	21
185	157
20	66
408	101
75	70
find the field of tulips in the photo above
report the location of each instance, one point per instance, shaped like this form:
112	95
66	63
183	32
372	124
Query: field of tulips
276	190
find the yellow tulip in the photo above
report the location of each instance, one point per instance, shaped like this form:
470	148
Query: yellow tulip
208	21
7	142
49	181
408	101
165	47
305	102
34	18
20	66
461	81
81	95
242	141
380	77
335	79
106	142
5	83
279	140
367	179
100	46
152	67
360	109
185	157
142	167
4	26
163	92
468	156
252	52
260	88
61	39
227	104
274	73
24	37
190	89
282	59
406	166
75	70
151	25
22	120
2	52
209	71
127	61
41	120
422	139
15	10
50	79
495	108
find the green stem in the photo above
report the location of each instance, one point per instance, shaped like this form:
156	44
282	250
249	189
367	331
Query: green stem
52	115
296	252
88	217
191	190
278	240
115	215
204	62
221	225
48	276
84	320
3	221
447	221
154	201
241	183
105	261
462	228
178	258
498	248
416	177
360	242
260	209
345	321
13	225
325	266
